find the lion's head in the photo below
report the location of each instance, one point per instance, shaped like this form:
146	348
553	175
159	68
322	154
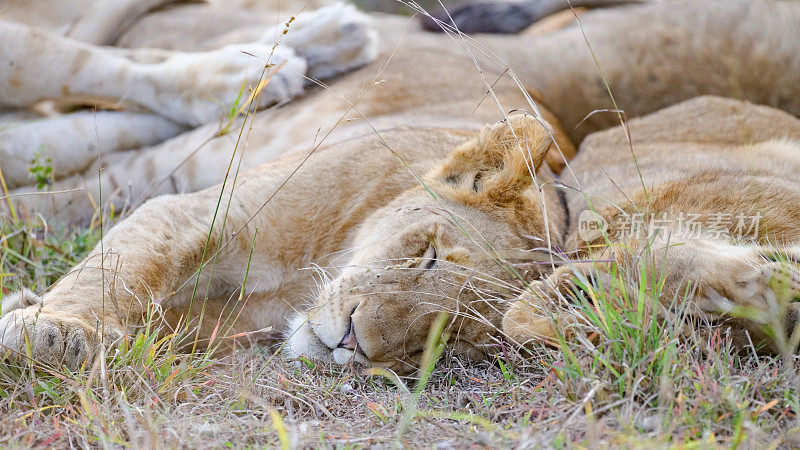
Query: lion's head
461	242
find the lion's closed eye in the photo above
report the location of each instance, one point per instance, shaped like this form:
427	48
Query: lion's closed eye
429	260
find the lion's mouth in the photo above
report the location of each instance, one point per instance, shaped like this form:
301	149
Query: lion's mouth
349	350
349	341
304	341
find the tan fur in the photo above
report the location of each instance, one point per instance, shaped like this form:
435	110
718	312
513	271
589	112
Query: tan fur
419	78
480	228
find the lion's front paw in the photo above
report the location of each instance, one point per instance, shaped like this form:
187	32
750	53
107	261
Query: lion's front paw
547	312
333	40
535	317
202	87
756	300
56	338
18	300
750	286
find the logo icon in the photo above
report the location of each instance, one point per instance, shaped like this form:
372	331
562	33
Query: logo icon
591	225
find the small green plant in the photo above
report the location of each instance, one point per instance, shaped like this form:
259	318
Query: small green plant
41	169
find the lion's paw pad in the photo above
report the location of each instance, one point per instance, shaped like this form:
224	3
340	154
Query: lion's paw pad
46	338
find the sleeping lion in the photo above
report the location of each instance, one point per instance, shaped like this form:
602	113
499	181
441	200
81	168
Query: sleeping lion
419	207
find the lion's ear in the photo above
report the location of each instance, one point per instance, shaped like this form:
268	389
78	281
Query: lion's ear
501	162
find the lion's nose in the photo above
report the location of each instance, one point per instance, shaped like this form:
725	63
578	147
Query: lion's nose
349	340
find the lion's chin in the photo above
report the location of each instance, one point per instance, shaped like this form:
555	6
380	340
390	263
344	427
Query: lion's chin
302	342
343	356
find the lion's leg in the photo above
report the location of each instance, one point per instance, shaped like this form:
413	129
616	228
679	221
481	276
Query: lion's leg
164	262
167	257
748	286
189	88
140	262
70	143
188	162
128	178
755	290
42	66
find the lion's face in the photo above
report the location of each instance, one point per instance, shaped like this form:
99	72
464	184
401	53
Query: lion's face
460	245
